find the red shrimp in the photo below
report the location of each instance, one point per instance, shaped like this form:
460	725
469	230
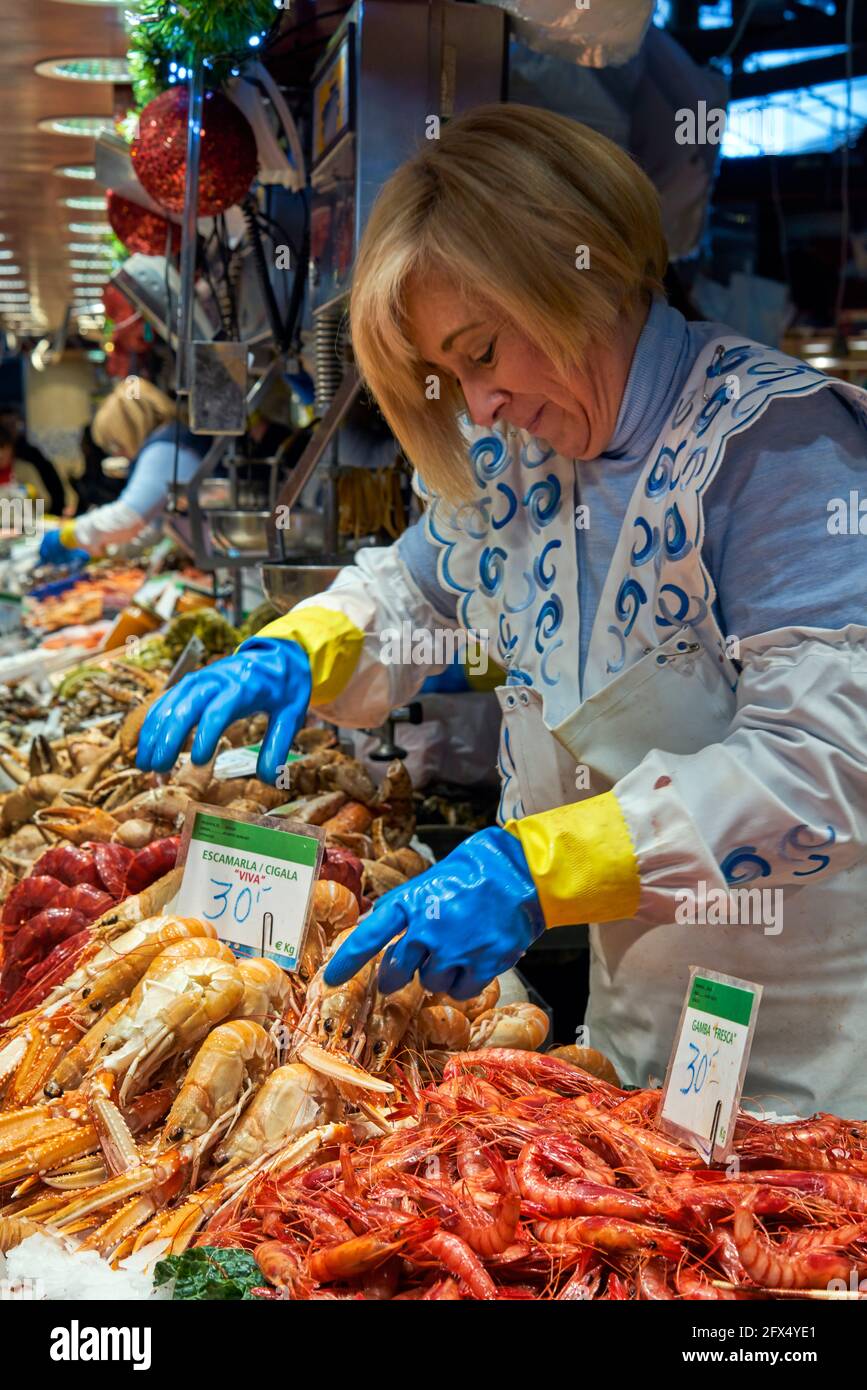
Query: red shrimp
460	1261
774	1267
33	941
70	863
663	1152
653	1285
584	1281
151	862
537	1067
639	1107
828	1238
848	1193
725	1252
441	1290
616	1287
792	1153
41	978
692	1284
352	1257
488	1233
282	1264
608	1233
820	1130
84	898
112	866
765	1199
571	1196
29	897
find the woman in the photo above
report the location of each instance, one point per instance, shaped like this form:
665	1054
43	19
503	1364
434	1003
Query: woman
138	422
635	513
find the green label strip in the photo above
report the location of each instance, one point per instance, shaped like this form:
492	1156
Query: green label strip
255	839
721	1001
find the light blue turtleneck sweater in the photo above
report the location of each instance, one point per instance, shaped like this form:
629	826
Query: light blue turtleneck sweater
767	543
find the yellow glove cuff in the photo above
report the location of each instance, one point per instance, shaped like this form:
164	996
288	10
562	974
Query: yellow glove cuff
67	535
582	860
332	642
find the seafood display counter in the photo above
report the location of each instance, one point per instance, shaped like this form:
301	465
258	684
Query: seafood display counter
181	1121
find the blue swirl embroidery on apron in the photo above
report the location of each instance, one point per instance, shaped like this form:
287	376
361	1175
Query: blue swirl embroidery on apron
548	621
630	596
641	553
665	617
533	447
796	842
675	540
613	667
543	579
512	506
489	457
525	602
492	570
745	856
542	501
663	466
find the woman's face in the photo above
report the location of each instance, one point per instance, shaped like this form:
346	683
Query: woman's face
506	379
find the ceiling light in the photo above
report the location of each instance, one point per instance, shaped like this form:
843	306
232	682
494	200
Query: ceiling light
89	279
85	69
95	248
14	298
90	228
13	285
6	255
10	270
75	171
84	204
81	264
75	125
94	307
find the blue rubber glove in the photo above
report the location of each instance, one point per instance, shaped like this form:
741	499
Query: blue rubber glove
464	921
265	675
52	551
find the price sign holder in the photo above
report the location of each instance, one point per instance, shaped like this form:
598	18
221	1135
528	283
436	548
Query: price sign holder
708	1063
252	878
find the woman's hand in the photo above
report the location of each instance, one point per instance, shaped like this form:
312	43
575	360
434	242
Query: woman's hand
52	551
464	920
265	675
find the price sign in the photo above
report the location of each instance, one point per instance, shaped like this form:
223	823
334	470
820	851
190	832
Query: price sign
251	877
709	1061
241	762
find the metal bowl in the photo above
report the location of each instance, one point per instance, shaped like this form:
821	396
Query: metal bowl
240	532
287	584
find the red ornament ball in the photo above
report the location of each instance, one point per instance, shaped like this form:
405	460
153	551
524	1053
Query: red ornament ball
139	229
227	161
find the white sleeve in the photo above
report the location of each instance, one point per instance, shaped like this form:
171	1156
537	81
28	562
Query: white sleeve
782	799
379	595
109	525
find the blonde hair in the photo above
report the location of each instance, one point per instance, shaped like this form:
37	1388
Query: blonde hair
500	205
133	411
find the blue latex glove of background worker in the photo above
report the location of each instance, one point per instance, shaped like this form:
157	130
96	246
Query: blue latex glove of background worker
265	675
52	551
464	920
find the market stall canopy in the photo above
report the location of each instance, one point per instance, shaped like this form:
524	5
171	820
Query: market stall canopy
33	222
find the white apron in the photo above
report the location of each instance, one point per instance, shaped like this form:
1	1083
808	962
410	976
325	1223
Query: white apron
657	677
